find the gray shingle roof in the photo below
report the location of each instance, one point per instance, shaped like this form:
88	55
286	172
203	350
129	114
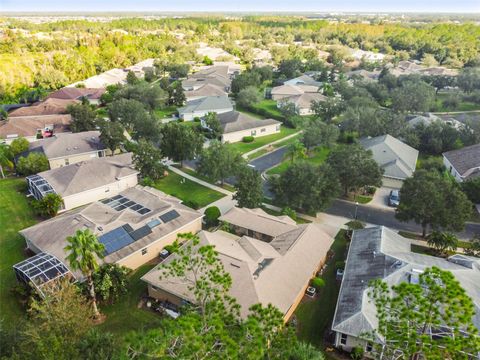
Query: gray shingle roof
465	159
395	157
62	145
92	174
380	253
208	103
236	121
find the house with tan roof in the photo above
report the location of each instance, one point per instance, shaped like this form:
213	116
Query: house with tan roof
269	270
85	182
303	102
285	91
237	125
70	148
33	128
134	226
219	76
101	81
205	90
50	106
74	93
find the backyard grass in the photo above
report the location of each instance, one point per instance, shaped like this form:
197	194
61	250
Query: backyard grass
268	108
315	316
243	148
192	193
318	156
124	315
166	112
463	105
15	214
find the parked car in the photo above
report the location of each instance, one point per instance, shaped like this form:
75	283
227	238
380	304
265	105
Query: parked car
394	198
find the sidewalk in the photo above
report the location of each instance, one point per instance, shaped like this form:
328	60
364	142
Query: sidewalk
247	154
201	182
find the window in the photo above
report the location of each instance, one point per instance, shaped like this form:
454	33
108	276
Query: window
263	130
101	154
144	251
369	347
343	339
254	132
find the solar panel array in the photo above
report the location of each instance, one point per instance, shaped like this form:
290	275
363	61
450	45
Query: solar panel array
169	216
115	240
120	202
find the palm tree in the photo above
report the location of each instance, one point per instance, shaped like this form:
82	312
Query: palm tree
84	249
296	151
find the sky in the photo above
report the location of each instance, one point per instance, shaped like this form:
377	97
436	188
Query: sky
459	6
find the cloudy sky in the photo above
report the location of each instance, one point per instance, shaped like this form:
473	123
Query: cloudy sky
466	6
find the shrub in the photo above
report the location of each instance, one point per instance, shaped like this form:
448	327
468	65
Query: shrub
181	120
19	145
357	353
146	181
32	164
340	265
211	215
290	213
318	283
355	225
196	119
248	139
191	204
111	281
49	205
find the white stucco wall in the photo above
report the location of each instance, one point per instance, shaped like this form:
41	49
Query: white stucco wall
191	115
257	132
87	197
452	170
62	161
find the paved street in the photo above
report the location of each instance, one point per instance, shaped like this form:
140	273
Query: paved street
269	160
386	217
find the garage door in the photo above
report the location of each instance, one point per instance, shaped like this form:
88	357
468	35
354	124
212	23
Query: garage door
392	183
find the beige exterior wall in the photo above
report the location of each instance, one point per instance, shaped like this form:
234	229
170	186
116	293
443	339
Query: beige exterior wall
163	295
136	259
59	162
257	132
192	115
87	197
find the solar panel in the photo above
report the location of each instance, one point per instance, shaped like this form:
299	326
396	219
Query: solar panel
143	211
169	216
136	207
115	240
141	232
116	197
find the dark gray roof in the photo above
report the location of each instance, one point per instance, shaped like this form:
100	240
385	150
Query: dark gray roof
233	121
380	253
464	159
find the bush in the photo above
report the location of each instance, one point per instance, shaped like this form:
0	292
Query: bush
211	215
32	164
357	353
248	139
191	204
146	181
290	213
196	119
318	283
355	225
111	281
340	265
49	205
19	145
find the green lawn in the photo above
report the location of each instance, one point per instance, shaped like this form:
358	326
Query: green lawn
316	315
462	106
15	214
193	194
243	148
318	156
124	315
166	112
197	175
268	108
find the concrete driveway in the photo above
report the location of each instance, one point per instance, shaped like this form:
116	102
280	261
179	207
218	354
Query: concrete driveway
380	199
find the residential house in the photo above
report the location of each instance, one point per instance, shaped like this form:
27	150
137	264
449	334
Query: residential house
70	148
406	67
33	128
380	253
274	270
200	107
363	74
236	125
305	79
397	159
205	90
85	182
101	81
134	226
74	93
214	53
285	91
359	54
50	106
219	76
428	119
463	164
303	103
